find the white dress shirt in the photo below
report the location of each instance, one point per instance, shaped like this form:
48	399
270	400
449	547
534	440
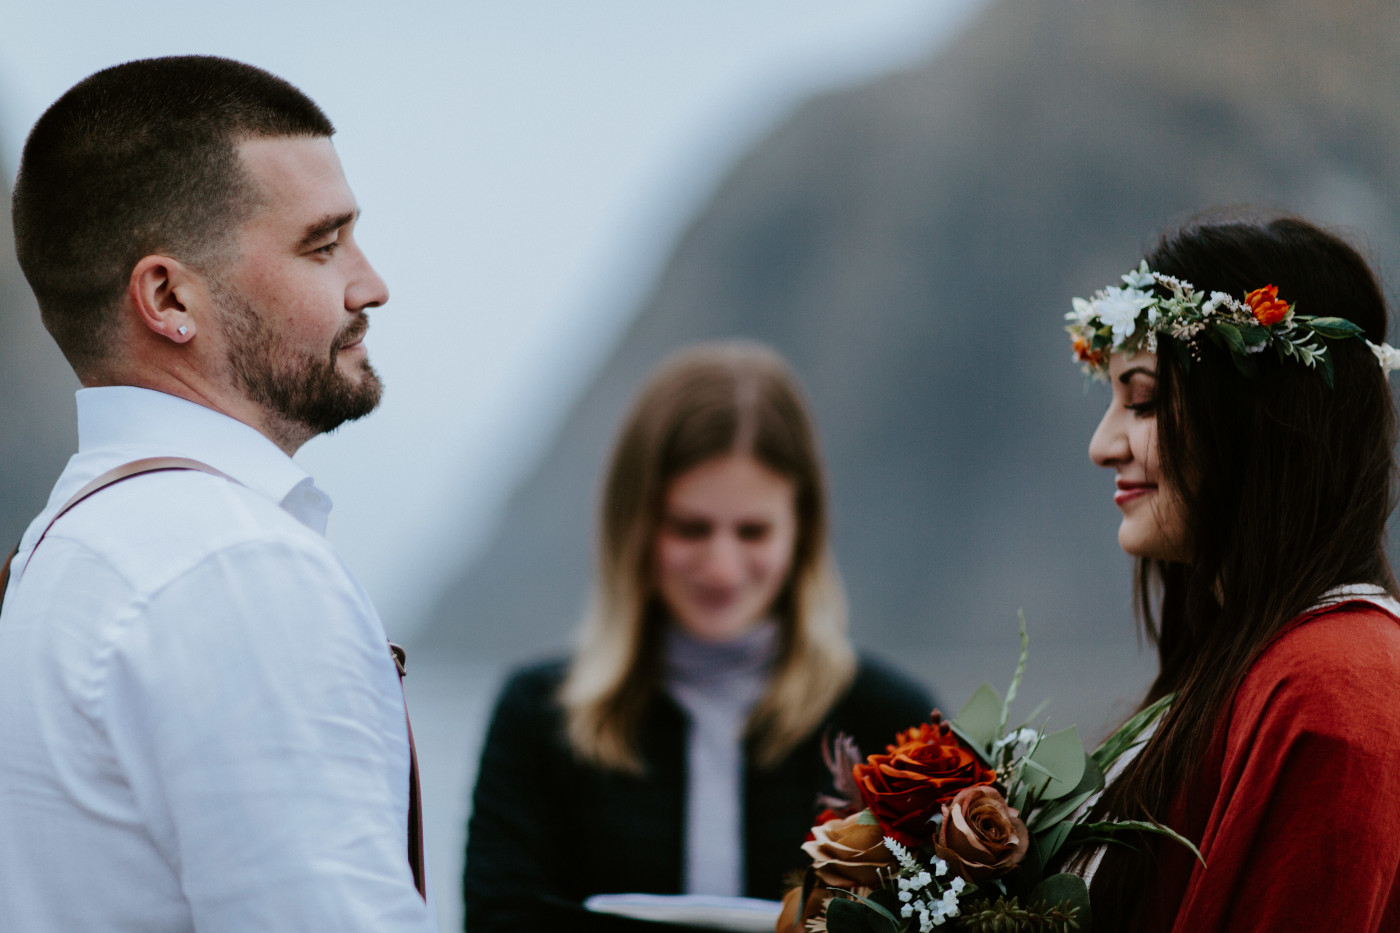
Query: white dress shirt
201	726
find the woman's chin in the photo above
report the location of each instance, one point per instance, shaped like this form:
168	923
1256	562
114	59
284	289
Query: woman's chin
717	628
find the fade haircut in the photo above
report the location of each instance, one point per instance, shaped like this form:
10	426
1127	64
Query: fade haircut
141	159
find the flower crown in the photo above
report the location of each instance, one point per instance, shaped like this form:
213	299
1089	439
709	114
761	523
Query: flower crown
1132	317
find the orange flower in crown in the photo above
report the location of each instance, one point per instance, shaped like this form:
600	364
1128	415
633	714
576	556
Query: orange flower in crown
1090	357
1266	306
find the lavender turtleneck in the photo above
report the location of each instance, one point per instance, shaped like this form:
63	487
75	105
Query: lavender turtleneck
716	685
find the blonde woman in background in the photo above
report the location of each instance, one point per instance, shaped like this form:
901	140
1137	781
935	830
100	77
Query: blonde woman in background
678	750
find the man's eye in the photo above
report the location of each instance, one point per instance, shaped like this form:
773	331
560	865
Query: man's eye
329	248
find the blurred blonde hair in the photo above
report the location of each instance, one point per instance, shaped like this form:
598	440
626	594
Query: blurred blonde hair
703	402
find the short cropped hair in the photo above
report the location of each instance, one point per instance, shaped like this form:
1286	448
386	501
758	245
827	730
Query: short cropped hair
141	159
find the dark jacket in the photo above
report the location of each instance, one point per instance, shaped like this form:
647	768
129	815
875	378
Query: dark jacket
545	825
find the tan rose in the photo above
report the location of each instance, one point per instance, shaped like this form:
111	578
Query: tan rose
981	837
788	919
847	853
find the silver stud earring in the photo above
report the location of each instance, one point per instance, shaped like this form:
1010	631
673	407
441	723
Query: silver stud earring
183	330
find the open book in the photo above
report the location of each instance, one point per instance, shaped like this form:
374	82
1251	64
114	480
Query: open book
740	914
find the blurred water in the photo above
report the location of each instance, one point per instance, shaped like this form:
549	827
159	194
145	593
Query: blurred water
1090	684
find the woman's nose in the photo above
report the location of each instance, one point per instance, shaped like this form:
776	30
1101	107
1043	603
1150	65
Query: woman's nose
1109	445
724	564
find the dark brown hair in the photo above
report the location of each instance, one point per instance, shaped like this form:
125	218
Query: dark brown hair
704	402
137	159
1286	484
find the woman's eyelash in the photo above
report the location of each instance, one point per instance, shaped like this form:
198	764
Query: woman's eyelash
1142	408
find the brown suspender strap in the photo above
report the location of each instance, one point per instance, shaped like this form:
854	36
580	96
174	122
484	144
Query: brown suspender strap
158	464
114	475
416	861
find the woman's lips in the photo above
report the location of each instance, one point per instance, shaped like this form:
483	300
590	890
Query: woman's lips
714	599
1127	491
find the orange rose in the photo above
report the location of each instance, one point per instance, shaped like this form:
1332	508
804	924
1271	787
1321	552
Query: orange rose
925	768
981	837
847	853
1265	304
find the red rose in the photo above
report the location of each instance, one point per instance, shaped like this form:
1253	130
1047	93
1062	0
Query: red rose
981	836
907	786
1265	304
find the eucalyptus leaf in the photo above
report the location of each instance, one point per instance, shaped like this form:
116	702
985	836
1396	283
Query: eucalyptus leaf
978	718
1017	800
1326	360
858	916
875	905
1064	888
1061	755
1050	841
1090	784
1031	868
1231	335
866	817
982	752
1254	335
1335	328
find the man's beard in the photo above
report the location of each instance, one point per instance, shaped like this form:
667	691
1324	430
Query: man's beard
306	390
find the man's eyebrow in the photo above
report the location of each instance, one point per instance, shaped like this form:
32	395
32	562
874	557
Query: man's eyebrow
325	226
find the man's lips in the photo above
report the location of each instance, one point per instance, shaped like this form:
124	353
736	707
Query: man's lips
1128	491
353	339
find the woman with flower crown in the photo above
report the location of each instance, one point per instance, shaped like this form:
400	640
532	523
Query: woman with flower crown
1251	433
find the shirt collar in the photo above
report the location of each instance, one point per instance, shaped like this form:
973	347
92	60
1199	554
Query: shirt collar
124	423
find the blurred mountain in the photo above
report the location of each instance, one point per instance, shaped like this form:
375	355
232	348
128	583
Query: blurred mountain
911	246
38	423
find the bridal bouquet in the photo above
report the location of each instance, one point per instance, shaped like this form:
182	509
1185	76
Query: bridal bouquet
955	823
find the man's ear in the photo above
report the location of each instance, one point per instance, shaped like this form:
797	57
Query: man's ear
162	291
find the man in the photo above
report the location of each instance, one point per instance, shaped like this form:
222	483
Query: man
201	723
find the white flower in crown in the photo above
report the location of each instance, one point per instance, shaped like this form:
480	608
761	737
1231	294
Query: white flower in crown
1083	313
1119	308
1215	301
1386	355
1140	278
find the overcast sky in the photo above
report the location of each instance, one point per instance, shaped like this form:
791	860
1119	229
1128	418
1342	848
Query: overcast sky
523	168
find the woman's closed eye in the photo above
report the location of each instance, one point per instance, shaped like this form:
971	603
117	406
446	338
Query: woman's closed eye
689	529
1143	408
754	532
